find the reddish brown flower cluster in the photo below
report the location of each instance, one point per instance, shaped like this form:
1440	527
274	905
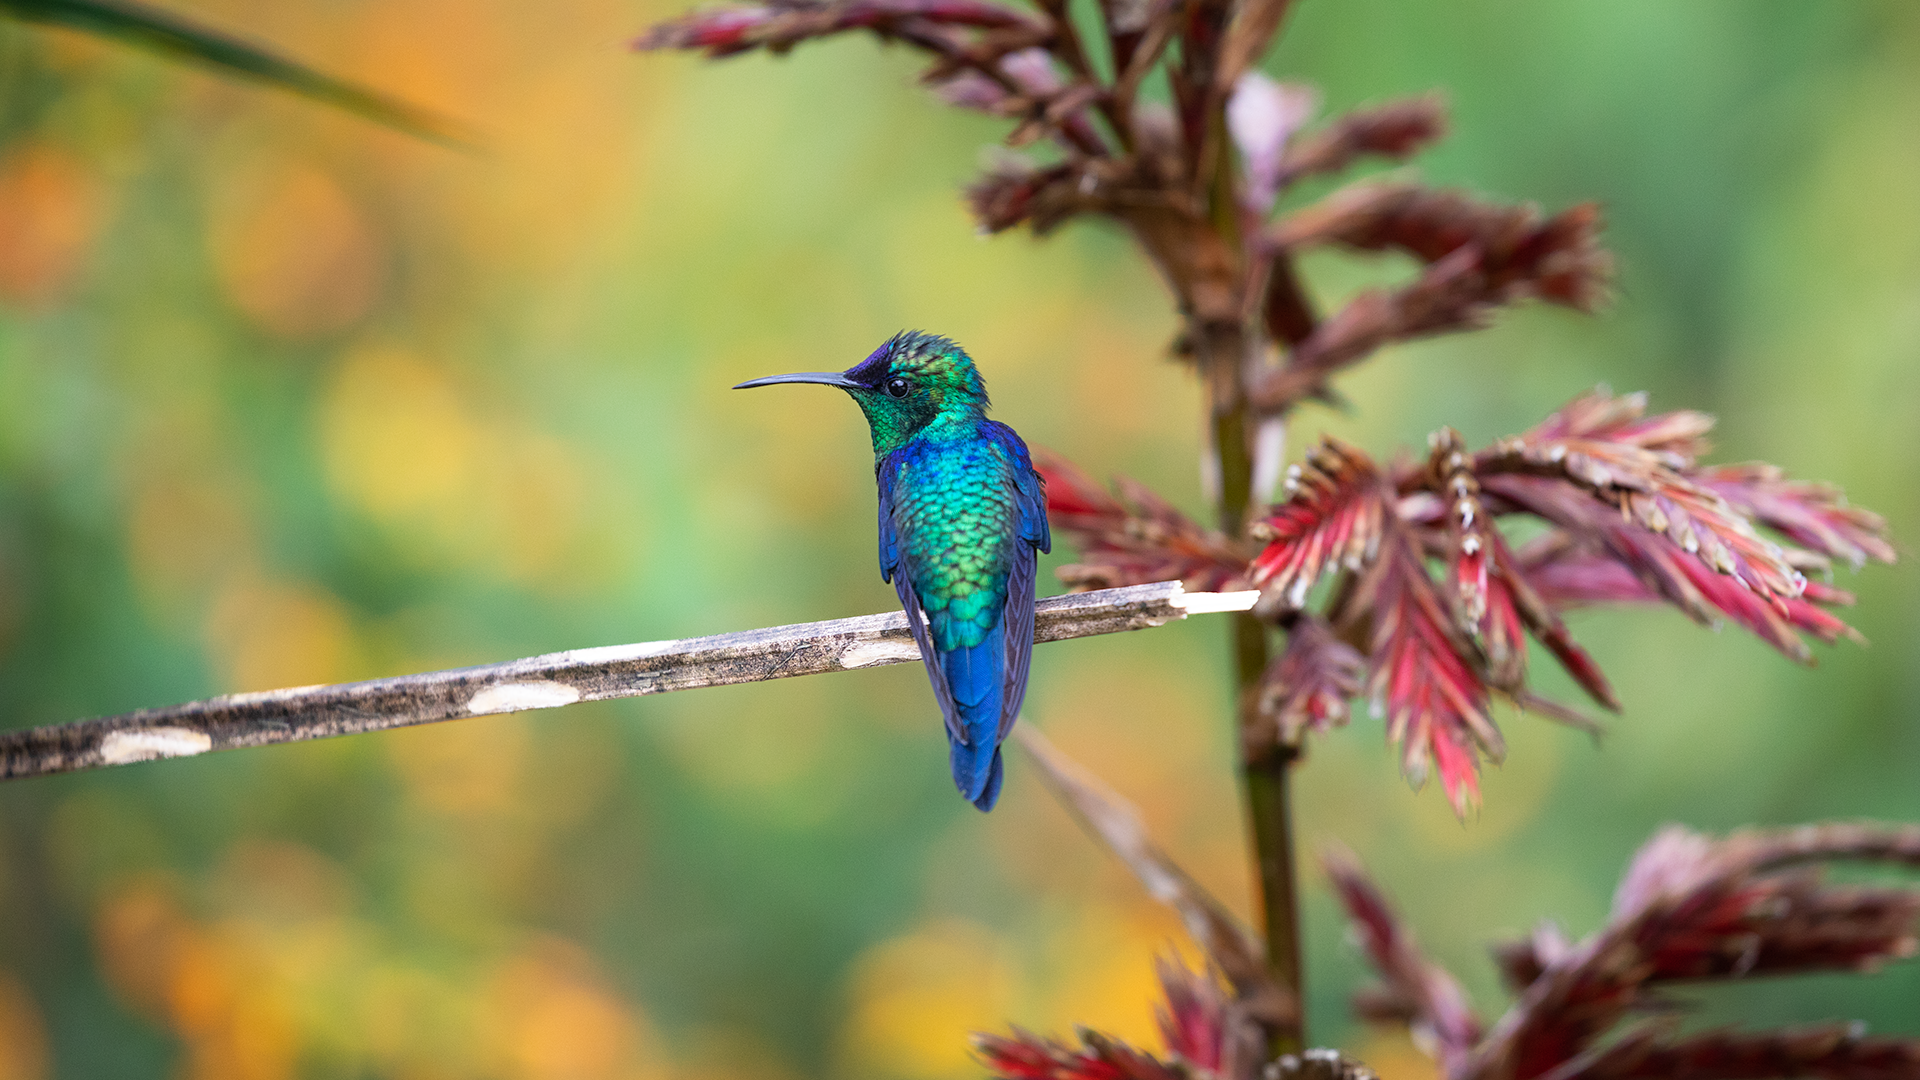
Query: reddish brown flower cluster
1307	687
780	26
1634	517
1625	489
1477	256
1690	908
1398	130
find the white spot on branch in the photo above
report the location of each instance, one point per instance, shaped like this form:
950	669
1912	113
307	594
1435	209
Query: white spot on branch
521	696
126	747
613	654
879	652
1209	603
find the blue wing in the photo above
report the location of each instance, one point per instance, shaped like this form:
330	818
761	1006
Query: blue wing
1031	499
885	473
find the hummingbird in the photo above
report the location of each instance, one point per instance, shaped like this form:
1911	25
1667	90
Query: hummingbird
963	518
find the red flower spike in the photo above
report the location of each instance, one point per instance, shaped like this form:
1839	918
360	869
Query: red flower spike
1307	687
1566	575
1503	634
1004	48
1434	698
1013	191
1415	990
1815	516
1207	1032
1332	518
1523	960
1663	567
1195	1021
1098	1057
1467	525
1512	585
1599	416
1637	464
1773	622
1135	537
1491	598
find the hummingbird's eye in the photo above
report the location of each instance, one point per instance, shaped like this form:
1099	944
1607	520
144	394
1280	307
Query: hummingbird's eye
898	387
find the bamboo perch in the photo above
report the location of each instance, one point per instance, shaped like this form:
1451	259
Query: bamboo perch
545	682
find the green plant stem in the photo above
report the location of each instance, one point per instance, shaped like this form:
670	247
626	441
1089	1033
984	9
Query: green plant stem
1270	805
1268	793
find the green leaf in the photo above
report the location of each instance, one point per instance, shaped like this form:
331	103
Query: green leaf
158	31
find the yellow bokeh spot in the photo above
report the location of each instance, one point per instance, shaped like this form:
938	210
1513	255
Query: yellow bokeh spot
406	444
1100	973
917	998
466	769
399	439
294	253
1392	1056
266	634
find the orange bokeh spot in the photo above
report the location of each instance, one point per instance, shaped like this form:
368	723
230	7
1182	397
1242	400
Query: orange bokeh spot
50	210
295	254
556	1020
23	1034
135	933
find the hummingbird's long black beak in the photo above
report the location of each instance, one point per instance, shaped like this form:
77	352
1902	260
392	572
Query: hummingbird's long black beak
826	378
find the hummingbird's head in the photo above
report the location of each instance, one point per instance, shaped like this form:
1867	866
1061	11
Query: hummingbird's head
906	384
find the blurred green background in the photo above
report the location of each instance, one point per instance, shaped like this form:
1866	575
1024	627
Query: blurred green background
287	398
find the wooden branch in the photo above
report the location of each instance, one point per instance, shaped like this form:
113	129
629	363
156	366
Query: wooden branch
545	682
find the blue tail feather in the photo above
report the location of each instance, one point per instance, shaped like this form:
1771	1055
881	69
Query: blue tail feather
977	772
974	677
